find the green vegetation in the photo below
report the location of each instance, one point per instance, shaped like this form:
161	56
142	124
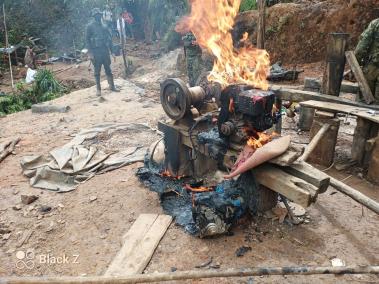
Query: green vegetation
44	88
247	5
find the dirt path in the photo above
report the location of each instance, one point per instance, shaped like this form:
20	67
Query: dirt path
90	233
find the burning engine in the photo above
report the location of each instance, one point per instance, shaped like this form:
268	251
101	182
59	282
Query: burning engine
210	128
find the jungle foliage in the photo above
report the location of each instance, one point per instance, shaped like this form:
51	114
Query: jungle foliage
44	88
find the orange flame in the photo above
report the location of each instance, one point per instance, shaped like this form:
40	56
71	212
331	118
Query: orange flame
262	139
211	22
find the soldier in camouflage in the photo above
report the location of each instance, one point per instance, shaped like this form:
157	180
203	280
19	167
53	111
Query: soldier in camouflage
99	44
367	53
193	55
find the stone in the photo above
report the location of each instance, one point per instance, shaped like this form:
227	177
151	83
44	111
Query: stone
17	207
45	208
92	198
28	199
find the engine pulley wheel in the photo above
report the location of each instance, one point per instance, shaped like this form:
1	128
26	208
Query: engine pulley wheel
175	98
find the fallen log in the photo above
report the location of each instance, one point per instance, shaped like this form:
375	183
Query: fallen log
187	275
8	149
300	96
356	195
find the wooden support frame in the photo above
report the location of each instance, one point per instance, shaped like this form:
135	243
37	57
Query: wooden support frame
358	73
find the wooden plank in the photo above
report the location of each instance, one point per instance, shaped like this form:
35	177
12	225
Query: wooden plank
373	170
358	73
140	243
301	96
293	188
142	253
338	108
131	239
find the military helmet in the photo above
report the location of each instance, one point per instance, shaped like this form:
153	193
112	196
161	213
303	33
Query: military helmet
96	11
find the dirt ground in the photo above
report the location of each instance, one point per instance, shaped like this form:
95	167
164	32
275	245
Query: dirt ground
90	233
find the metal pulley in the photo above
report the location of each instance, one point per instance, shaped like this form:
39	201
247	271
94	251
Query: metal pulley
177	98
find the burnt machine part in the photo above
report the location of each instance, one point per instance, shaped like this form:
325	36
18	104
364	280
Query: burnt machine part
216	212
177	99
253	105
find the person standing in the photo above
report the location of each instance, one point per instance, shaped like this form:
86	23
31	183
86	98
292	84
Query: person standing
367	53
193	54
99	45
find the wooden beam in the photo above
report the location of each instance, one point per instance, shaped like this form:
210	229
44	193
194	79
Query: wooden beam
314	142
310	174
140	243
293	188
339	108
313	84
358	73
261	24
191	275
301	96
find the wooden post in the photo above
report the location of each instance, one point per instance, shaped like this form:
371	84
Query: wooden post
373	169
122	37
306	118
7	46
335	64
358	74
314	142
261	24
323	153
364	131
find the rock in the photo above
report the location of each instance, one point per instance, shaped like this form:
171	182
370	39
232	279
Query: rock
173	269
45	208
28	199
6	236
16	191
17	207
127	100
92	198
102	99
51	227
46	108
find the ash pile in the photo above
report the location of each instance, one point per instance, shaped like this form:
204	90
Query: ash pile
220	158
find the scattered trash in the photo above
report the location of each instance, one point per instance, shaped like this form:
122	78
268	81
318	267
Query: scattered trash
337	262
205	264
242	251
28	199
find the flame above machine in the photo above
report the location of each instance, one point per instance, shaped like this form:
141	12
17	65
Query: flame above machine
211	22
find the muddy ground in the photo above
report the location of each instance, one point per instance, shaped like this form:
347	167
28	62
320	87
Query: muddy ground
90	232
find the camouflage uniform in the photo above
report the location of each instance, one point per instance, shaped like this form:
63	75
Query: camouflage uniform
99	44
367	53
193	55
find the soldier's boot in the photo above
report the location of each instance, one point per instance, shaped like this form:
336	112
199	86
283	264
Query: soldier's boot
112	87
98	86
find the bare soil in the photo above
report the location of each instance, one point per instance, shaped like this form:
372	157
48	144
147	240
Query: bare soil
298	32
92	231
